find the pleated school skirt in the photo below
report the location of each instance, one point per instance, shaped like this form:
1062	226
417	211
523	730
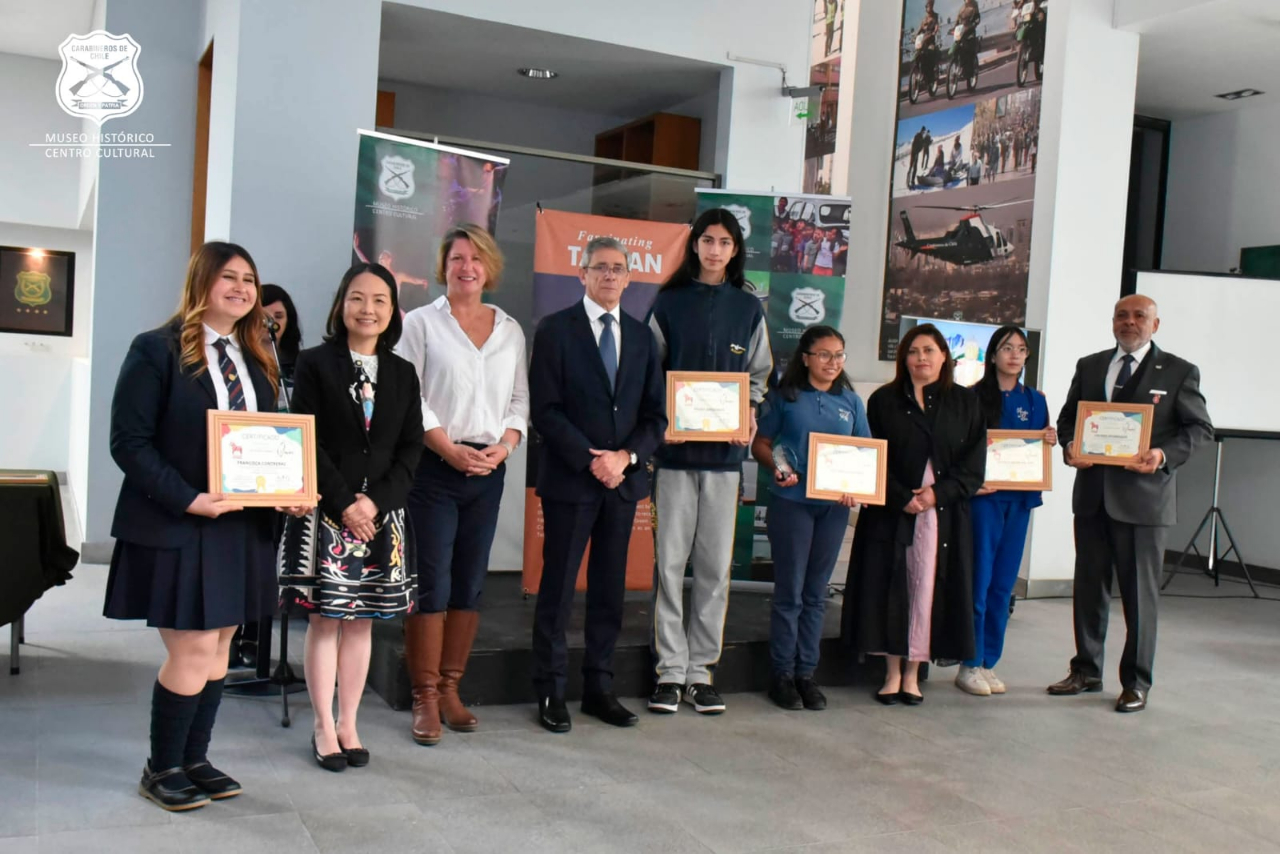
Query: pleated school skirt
224	577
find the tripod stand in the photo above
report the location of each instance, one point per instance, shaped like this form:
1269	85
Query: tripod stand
1213	517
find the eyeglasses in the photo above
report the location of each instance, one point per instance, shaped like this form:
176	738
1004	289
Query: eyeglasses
1011	349
604	269
826	357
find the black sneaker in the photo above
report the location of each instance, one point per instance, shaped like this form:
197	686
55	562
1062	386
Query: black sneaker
782	690
665	699
812	697
704	699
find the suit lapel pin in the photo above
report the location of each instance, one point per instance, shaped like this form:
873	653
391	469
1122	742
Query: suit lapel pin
1155	398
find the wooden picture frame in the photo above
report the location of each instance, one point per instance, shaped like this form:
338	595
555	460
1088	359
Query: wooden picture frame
814	488
281	446
683	393
1086	412
1044	482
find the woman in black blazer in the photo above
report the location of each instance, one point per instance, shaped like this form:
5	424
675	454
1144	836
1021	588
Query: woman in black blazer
350	562
183	561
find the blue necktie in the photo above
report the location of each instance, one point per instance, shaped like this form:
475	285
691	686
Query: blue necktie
1126	371
608	349
235	390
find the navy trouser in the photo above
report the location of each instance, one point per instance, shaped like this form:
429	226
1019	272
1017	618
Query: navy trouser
455	518
805	540
999	535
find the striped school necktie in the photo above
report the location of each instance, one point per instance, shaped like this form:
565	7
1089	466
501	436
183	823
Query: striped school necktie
230	376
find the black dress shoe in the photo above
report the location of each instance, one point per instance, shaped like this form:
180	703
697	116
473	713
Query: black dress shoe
782	690
357	757
887	699
170	789
812	697
553	714
1131	700
607	708
328	761
1076	683
910	699
211	781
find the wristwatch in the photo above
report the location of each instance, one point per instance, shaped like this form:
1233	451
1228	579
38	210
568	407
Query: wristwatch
634	458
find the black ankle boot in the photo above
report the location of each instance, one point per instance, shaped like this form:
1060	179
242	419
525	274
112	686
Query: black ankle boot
783	692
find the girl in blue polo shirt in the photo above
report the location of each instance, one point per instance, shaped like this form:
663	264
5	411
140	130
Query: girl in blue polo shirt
1000	517
814	396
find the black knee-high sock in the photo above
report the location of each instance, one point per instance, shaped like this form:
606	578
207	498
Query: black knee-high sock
201	731
171	716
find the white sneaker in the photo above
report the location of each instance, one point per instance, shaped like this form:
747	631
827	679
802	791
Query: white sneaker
993	681
970	680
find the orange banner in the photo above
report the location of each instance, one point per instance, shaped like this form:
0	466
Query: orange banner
655	248
639	557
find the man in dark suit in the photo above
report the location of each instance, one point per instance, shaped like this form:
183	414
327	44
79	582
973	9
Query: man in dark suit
597	393
1122	515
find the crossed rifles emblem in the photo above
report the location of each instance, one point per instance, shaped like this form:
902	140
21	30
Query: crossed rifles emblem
104	73
398	177
807	306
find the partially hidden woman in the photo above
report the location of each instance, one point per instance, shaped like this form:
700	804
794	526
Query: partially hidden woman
805	534
282	323
473	369
351	562
188	561
1000	517
909	595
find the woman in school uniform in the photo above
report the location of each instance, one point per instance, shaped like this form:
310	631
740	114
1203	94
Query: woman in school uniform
350	562
814	396
189	562
1000	517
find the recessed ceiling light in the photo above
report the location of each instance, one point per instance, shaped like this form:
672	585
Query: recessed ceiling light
539	73
1238	94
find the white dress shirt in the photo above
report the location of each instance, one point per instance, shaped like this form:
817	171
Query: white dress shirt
1117	361
239	359
594	313
473	394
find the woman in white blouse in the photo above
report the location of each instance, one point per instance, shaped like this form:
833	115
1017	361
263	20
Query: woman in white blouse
471	364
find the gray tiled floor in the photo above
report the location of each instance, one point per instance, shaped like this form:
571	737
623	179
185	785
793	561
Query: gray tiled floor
1199	771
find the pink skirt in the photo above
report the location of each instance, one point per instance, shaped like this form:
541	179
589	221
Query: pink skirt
922	568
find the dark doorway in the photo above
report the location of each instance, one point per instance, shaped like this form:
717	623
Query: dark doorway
1148	180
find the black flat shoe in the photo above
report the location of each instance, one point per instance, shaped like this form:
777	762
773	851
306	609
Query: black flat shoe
554	715
810	694
607	708
357	757
783	692
886	699
211	781
170	789
910	699
329	761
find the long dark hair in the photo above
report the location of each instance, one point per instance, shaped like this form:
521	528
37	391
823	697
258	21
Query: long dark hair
336	330
796	377
690	267
902	379
291	341
988	388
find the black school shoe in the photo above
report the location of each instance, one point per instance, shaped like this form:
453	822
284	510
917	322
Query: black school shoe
170	789
357	757
810	694
553	715
211	781
782	690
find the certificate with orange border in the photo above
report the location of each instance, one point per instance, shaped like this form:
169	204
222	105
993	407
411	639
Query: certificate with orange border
1112	434
708	406
847	465
263	459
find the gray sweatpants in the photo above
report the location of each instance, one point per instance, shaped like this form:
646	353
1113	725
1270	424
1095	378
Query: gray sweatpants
697	511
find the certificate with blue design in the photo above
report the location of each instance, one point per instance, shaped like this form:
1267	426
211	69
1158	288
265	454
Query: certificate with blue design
847	465
1112	434
263	459
708	406
1019	460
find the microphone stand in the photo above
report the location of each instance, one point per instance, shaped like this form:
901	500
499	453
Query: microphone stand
264	681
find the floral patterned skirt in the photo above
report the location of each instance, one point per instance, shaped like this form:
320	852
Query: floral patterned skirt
325	570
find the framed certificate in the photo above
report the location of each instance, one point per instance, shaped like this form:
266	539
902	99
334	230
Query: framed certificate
1019	459
1112	434
706	406
263	459
847	465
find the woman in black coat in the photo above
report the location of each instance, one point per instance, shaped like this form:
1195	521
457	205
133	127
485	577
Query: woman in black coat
348	563
909	595
190	563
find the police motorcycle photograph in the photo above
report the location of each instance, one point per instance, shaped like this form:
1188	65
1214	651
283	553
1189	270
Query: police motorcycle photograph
924	67
963	63
1031	21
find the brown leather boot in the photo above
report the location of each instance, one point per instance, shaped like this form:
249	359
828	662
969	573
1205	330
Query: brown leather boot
423	642
459	632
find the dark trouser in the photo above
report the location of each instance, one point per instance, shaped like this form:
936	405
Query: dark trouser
1137	552
805	540
454	519
607	523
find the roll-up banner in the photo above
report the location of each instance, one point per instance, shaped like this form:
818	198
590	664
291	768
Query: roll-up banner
654	251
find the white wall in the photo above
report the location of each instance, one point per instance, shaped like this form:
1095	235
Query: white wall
1222	195
34	189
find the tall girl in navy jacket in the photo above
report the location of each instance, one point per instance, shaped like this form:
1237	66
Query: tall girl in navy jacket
1000	518
183	560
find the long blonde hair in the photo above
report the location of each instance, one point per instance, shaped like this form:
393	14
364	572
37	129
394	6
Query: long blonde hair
202	272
